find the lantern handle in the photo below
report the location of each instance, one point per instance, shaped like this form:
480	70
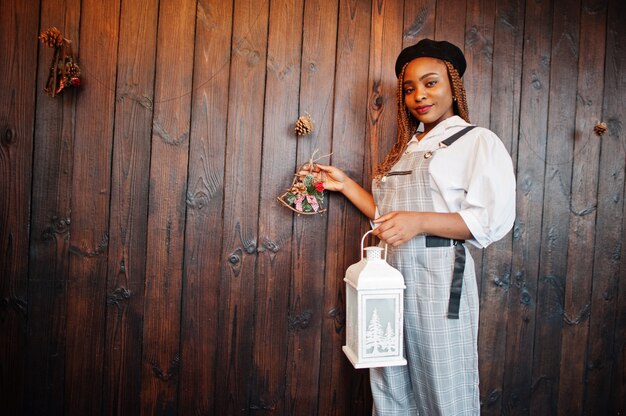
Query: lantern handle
362	248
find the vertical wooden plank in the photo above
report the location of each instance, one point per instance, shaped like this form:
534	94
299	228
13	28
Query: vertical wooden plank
552	277
308	245
273	271
50	224
479	38
241	204
166	218
205	196
577	305
527	233
385	44
129	207
345	389
91	175
18	28
450	21
496	266
603	357
614	140
419	21
618	381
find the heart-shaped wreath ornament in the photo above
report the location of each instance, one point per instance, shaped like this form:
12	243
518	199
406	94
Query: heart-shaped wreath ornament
306	194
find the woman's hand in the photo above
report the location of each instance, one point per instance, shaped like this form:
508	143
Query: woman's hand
397	227
333	178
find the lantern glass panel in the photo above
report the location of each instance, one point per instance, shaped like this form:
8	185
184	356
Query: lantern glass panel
381	326
351	319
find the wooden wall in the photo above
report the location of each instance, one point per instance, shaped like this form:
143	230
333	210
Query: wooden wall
146	267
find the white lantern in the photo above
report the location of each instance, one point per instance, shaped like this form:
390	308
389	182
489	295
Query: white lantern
374	311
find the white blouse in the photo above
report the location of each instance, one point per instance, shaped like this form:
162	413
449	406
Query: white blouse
474	177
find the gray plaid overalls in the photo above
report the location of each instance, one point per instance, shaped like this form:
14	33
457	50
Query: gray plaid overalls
441	377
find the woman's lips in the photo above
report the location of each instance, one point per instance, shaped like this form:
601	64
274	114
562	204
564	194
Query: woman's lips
423	109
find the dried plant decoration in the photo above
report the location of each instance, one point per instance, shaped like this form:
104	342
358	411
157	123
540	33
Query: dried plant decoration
600	128
64	70
304	125
306	193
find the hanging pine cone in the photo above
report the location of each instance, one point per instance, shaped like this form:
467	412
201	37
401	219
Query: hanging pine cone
304	125
600	128
72	69
52	37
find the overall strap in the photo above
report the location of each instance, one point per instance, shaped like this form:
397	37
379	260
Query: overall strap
459	252
447	142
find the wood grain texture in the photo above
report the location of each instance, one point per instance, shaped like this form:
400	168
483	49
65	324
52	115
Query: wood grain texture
496	273
342	387
603	359
450	21
273	271
91	182
385	45
129	207
558	161
419	21
18	25
50	226
241	203
167	208
306	312
205	196
613	158
583	213
535	86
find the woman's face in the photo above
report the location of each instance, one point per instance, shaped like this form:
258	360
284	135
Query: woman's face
427	91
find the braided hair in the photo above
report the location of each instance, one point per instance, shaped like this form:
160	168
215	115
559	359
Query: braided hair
407	124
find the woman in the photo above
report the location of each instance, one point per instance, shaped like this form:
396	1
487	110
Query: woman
442	185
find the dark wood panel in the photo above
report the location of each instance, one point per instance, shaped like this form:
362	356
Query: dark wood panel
450	21
166	215
535	84
614	158
344	389
91	181
558	160
50	225
603	359
241	204
306	309
583	213
478	49
129	207
205	196
385	44
18	26
419	21
273	270
496	267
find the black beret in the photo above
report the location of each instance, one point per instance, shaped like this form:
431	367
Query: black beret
432	49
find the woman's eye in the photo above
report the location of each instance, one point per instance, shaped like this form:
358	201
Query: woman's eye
431	83
408	90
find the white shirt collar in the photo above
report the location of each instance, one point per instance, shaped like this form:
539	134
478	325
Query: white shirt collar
437	134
